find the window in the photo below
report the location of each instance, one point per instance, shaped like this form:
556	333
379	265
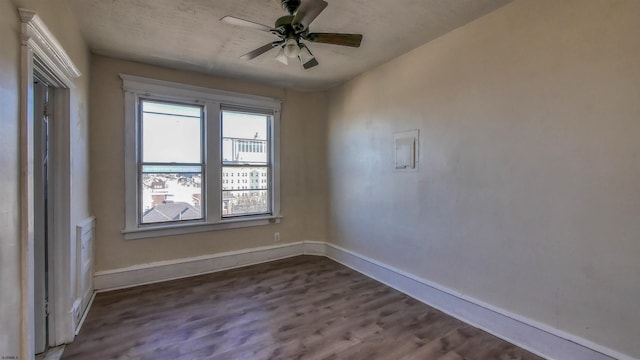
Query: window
183	144
170	162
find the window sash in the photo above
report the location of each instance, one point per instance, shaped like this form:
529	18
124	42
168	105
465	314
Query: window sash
169	165
268	147
140	117
268	188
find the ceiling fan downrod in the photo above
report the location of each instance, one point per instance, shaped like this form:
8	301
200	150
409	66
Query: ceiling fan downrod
290	5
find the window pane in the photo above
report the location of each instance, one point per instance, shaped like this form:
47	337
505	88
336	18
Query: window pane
244	138
245	178
171	133
244	202
245	190
170	195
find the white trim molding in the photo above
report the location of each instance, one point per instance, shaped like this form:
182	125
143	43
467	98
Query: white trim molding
181	268
528	334
160	88
52	59
317	248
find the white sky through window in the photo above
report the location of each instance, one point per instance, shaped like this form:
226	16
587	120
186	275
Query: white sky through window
244	126
172	132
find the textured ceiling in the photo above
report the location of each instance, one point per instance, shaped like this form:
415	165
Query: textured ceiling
187	34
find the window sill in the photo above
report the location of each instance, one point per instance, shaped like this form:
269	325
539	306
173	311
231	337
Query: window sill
180	229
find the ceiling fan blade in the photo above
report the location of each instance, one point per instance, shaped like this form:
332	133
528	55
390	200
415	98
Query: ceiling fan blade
352	40
310	64
246	23
257	52
306	57
307	12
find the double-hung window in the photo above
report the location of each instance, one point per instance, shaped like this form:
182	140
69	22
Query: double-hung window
198	159
171	162
245	156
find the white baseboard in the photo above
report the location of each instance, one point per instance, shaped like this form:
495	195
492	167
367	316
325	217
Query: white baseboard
181	268
85	313
318	248
52	353
535	337
538	338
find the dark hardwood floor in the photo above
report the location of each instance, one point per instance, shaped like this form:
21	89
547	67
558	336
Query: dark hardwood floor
304	307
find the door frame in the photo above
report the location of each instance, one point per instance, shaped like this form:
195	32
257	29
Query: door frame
42	53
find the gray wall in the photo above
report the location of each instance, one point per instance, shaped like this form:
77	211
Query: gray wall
9	182
62	24
528	191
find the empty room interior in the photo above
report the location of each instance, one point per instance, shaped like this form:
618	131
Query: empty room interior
311	179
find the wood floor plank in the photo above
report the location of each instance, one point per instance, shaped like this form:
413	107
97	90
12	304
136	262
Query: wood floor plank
304	307
440	346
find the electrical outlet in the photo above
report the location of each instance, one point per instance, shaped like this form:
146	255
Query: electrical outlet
276	237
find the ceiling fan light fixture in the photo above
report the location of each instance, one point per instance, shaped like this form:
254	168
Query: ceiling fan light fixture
282	57
291	48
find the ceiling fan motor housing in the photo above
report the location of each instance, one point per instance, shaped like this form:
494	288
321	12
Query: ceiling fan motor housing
284	21
283	28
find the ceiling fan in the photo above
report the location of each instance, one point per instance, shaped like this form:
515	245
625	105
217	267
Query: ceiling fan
293	28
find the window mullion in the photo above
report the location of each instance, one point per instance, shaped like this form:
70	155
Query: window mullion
213	158
274	162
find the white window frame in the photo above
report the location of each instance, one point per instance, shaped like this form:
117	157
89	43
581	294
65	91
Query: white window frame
136	88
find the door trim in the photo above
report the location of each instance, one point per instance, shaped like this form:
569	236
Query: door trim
41	52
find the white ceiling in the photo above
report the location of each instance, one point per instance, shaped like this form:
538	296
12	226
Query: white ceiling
187	34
